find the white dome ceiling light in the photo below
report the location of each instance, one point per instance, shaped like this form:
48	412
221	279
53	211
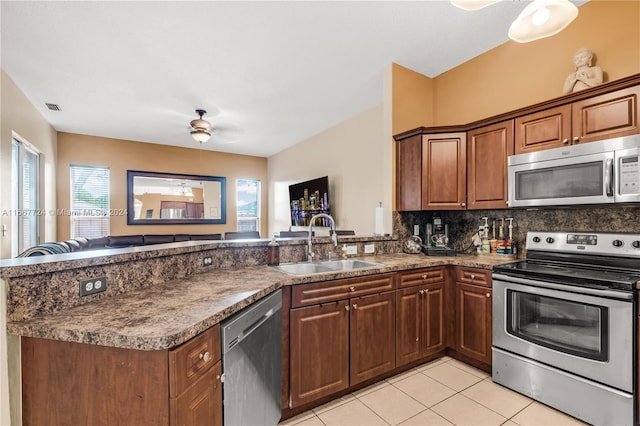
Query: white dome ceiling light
200	128
540	19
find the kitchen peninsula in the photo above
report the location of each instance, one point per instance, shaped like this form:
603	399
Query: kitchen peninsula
158	300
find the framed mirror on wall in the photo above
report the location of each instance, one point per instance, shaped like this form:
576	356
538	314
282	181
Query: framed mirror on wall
155	198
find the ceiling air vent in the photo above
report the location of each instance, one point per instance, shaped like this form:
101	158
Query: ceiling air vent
53	107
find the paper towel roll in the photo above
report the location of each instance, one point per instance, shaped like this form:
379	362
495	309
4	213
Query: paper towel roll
379	221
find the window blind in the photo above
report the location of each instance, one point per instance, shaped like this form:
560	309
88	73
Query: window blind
90	212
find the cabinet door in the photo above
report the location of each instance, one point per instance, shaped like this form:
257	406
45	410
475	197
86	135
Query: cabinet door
546	129
606	116
373	329
409	325
444	171
319	354
488	149
474	321
432	318
409	174
201	403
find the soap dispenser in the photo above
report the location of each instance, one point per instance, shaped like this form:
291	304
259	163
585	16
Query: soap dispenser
486	246
273	252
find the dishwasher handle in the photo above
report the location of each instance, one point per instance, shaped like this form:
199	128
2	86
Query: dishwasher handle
245	322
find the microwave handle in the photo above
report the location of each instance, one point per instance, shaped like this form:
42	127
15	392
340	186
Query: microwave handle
608	176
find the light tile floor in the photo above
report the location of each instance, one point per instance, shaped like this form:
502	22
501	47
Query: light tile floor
442	392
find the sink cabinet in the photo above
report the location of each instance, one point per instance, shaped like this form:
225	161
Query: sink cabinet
332	335
74	383
420	302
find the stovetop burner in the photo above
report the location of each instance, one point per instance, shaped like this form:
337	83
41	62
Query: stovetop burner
595	260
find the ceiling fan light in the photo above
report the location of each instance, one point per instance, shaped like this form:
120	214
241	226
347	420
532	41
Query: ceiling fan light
200	135
472	4
542	18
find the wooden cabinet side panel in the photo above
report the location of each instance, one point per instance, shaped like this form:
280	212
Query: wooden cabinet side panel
444	171
409	326
372	336
543	130
606	116
71	384
409	174
488	149
319	354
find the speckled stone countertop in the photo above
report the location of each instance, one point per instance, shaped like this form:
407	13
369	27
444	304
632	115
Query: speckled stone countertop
170	313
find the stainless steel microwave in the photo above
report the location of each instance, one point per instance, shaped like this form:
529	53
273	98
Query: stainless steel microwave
592	173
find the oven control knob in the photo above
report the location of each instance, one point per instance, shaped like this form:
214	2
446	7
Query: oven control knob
618	243
550	240
536	239
635	244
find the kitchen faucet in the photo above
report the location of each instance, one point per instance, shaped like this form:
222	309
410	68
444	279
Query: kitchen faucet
332	230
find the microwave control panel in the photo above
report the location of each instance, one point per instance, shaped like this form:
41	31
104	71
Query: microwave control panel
629	167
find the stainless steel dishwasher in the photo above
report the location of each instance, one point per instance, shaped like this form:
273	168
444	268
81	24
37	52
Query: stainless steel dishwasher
251	364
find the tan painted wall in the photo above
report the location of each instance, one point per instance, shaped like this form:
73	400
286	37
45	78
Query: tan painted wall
18	116
351	155
121	155
515	75
412	99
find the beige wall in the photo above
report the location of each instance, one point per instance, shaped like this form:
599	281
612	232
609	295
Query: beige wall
351	154
18	117
122	155
412	99
515	75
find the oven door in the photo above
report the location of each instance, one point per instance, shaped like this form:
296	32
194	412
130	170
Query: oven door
585	334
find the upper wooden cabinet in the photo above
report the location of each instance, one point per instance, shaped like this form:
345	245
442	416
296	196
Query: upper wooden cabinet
487	151
431	172
600	117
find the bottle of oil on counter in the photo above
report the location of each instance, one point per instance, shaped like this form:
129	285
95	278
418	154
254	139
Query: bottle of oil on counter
273	252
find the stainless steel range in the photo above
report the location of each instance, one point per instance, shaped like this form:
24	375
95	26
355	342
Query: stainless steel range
564	324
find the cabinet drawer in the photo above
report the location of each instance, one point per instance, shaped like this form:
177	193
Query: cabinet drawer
473	276
329	291
189	361
421	276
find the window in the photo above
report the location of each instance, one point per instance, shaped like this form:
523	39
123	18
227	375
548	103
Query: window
248	204
89	201
25	201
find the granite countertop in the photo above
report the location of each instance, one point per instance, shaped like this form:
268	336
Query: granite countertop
171	313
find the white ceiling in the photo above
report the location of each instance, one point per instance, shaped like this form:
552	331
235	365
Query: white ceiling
269	73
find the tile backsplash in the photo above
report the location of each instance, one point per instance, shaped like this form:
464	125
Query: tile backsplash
463	224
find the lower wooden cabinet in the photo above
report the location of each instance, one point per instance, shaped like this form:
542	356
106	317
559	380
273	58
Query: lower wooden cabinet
72	383
338	344
420	322
473	314
319	351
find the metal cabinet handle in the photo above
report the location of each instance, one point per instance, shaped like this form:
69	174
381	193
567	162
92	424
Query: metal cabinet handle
421	292
346	308
463	204
576	139
565	141
355	306
352	288
217	377
424	277
205	356
473	277
488	294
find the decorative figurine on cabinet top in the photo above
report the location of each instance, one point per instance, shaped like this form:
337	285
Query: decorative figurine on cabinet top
586	75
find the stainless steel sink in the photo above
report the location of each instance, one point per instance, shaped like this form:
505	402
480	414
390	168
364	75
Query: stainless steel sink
324	266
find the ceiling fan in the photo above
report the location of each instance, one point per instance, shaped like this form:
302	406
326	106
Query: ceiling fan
201	130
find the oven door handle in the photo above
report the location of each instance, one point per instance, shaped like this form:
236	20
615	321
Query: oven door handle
582	290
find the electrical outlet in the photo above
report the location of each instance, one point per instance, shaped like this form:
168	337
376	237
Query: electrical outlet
416	229
352	249
369	248
207	261
93	286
